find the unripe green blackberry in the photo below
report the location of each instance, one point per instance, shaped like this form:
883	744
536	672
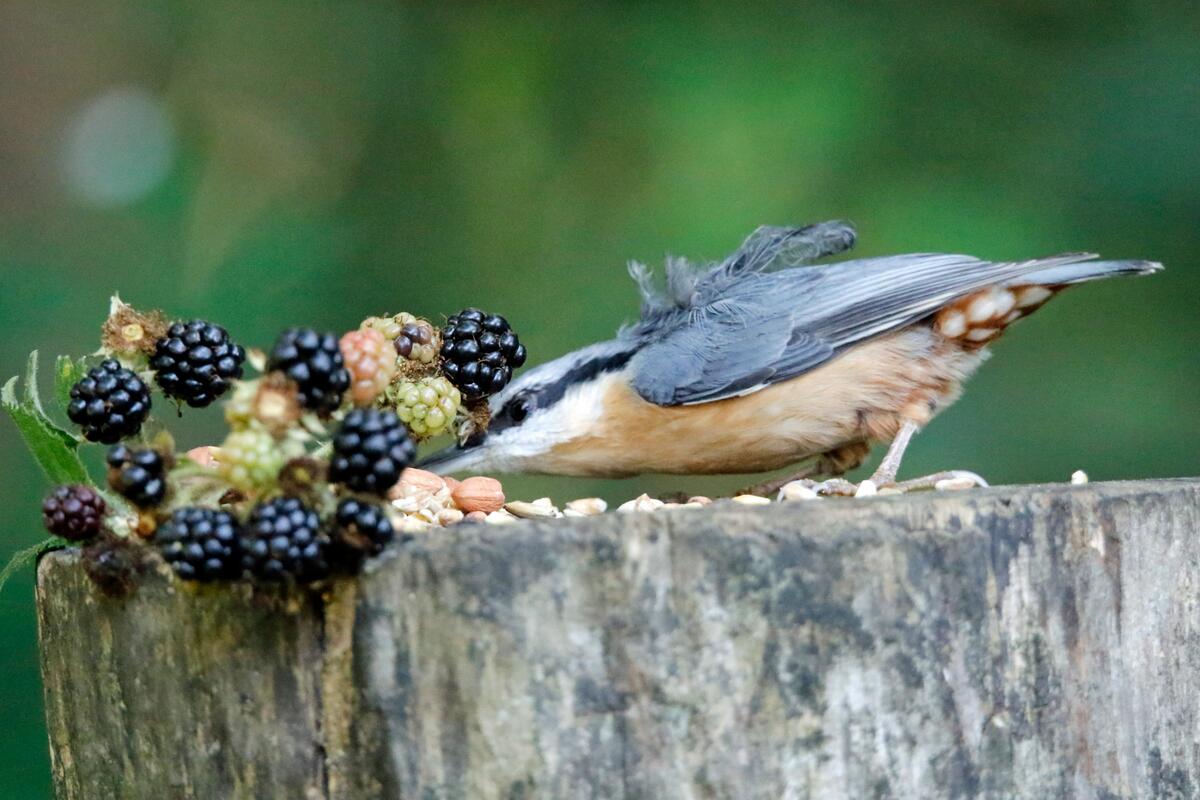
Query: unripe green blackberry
250	459
371	361
201	544
479	353
73	512
416	340
361	529
282	539
196	362
314	362
428	405
138	474
370	450
109	403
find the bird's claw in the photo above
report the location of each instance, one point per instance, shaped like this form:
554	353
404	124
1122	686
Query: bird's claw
946	481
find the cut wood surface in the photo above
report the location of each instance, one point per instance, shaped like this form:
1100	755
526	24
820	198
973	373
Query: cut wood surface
1030	642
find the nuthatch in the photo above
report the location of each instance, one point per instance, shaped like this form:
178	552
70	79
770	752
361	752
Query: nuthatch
759	362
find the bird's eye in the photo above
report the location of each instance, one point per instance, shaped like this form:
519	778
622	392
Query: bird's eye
519	409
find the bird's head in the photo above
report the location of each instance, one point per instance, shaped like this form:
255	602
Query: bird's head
539	412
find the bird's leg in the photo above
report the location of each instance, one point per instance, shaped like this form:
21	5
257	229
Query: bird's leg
885	473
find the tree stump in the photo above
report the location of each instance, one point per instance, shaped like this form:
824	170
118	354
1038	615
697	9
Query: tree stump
1030	642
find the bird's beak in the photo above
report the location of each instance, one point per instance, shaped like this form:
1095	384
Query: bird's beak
457	458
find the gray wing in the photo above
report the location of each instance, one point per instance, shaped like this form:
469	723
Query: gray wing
750	328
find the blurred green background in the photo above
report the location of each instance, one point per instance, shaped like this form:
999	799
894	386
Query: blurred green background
268	163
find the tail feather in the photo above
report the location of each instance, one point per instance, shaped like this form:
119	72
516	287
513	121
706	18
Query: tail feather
1082	268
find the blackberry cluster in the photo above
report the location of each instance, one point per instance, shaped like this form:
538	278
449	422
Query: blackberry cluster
73	512
109	403
314	362
363	529
370	450
480	352
283	539
201	544
138	474
196	362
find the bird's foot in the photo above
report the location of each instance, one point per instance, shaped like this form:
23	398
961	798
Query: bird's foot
948	480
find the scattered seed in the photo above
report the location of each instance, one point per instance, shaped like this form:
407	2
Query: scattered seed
413	479
587	506
412	524
796	490
641	503
479	494
866	489
954	484
532	510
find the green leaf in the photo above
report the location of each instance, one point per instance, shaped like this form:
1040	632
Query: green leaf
53	448
34	401
28	556
67	372
32	398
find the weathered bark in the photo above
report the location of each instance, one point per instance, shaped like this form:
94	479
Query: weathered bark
1033	642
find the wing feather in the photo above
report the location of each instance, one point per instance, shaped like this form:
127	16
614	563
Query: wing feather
757	327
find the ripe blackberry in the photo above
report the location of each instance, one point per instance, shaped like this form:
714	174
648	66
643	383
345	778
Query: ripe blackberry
479	352
138	474
283	538
109	403
73	512
201	544
371	361
314	361
196	362
370	450
362	529
428	406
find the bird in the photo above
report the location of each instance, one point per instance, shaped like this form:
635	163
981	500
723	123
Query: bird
765	360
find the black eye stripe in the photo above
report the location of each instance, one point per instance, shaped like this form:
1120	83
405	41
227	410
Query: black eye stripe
547	395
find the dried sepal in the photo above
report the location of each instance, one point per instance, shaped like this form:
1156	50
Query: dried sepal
271	401
473	419
130	332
